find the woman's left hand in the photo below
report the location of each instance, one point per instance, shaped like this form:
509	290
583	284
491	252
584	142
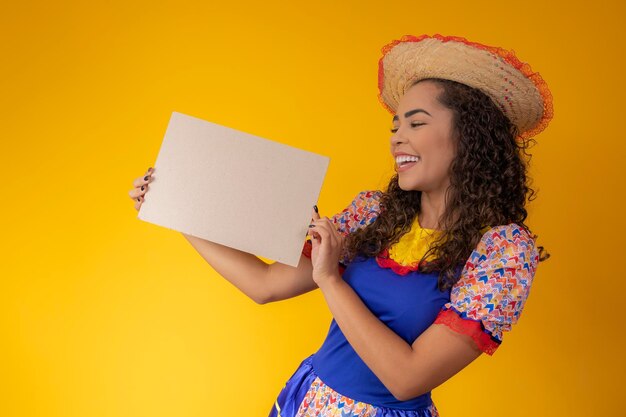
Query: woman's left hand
327	245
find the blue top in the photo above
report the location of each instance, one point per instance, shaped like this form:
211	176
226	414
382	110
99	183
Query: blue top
407	304
487	300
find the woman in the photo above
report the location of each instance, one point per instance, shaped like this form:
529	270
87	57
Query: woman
423	277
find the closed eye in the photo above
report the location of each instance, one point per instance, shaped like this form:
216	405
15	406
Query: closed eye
394	130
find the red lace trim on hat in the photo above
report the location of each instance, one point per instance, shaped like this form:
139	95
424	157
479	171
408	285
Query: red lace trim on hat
469	327
508	56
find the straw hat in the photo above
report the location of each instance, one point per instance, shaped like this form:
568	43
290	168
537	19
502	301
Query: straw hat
520	93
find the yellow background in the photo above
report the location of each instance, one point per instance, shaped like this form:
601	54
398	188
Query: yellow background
105	315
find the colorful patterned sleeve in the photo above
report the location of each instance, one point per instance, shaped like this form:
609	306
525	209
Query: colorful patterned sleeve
494	285
362	211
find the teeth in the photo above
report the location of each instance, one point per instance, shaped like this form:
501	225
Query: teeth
406	158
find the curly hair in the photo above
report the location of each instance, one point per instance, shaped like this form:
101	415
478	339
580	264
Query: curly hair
488	187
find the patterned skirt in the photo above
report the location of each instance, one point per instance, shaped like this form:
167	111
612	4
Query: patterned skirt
305	395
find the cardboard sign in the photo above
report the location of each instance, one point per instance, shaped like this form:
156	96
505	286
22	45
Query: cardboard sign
234	188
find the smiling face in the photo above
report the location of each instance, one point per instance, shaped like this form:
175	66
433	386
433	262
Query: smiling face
423	127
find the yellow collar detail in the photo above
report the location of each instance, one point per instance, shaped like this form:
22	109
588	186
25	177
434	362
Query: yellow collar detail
414	244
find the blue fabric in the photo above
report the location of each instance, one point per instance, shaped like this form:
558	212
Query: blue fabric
292	395
408	304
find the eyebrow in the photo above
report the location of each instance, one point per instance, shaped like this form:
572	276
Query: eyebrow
410	113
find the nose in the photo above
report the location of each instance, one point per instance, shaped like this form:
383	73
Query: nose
398	137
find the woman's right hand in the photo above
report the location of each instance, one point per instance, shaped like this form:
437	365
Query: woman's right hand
140	188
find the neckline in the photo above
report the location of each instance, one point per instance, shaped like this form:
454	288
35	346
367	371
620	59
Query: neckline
423	228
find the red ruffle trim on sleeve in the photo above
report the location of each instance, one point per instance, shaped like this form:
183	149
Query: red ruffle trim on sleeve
470	327
306	251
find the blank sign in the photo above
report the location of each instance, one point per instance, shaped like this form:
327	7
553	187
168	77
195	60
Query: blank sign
234	188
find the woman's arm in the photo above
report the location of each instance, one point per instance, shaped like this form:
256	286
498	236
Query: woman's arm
260	281
265	283
406	370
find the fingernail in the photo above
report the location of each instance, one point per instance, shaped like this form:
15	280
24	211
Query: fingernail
138	199
315	207
150	169
311	225
145	178
142	188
